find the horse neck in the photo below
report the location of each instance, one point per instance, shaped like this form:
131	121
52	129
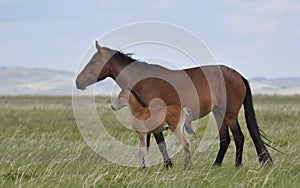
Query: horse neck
134	104
117	65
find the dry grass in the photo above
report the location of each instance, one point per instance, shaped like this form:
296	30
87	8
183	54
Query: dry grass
41	147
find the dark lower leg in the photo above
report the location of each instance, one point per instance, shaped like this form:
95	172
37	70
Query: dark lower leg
239	142
148	141
239	155
223	133
239	151
224	143
159	137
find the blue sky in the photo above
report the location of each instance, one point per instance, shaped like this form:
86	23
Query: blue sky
259	38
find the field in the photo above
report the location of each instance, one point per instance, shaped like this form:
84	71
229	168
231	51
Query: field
41	146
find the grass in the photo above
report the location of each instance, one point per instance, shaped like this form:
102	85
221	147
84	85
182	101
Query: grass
41	146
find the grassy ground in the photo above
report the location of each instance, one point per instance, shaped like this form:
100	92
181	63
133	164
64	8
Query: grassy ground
40	146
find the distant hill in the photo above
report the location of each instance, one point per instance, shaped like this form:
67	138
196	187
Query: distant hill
277	86
27	81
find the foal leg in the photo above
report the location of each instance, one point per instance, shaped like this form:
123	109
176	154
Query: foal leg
159	137
223	133
143	151
238	139
186	146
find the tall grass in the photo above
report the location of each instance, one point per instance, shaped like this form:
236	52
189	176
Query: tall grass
40	146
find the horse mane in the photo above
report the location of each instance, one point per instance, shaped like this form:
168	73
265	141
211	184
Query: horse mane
127	57
124	56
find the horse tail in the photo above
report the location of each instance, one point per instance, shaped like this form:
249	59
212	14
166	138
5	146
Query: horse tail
262	152
188	121
271	144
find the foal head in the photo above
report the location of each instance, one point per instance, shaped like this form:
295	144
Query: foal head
121	101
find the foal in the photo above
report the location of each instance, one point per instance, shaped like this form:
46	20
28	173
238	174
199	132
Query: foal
147	120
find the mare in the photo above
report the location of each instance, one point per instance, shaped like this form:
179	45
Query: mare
214	88
153	119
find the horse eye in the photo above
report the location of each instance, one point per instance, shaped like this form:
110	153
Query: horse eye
93	62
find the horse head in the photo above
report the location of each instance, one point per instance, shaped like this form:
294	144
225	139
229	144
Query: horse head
96	69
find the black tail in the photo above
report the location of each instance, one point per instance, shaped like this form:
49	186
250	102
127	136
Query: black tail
262	152
270	144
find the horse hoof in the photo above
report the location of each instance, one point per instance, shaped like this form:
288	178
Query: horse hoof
216	164
168	164
238	165
142	167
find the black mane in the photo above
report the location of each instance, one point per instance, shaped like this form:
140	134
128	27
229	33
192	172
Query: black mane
125	56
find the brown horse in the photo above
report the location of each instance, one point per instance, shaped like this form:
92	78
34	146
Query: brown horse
217	88
147	120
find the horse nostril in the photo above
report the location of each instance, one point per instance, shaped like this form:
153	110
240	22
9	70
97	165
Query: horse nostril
113	107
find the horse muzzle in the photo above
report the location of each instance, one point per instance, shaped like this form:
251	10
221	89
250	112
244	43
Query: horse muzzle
80	85
114	107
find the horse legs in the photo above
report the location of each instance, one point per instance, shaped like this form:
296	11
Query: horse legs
238	138
148	141
231	121
159	137
143	151
224	143
223	133
186	146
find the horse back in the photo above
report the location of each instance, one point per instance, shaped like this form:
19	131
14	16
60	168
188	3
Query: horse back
197	88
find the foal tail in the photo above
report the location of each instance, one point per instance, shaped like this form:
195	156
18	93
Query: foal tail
262	152
188	121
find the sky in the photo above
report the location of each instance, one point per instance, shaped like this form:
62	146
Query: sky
259	38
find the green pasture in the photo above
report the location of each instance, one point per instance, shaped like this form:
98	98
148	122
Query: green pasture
41	146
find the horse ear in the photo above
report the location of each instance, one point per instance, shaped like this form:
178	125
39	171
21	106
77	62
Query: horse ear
98	46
